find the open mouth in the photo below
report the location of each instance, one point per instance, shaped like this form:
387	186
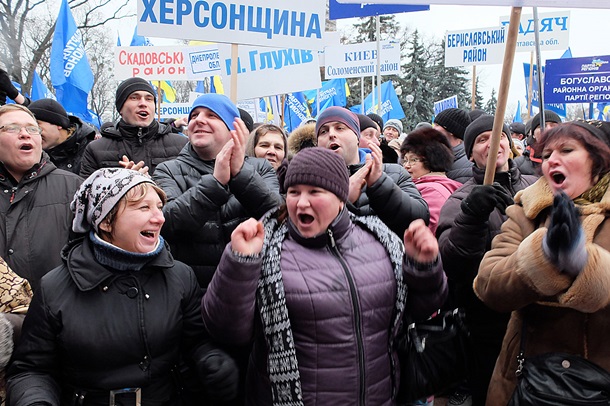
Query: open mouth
334	147
142	114
558	178
306	218
148	234
26	147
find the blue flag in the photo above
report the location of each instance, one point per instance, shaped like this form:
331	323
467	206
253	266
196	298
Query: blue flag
138	40
71	73
390	105
557	108
39	90
332	93
296	110
518	118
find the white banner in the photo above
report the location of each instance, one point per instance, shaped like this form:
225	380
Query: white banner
174	110
448	103
276	23
149	62
358	60
481	46
202	61
554	31
514	3
263	71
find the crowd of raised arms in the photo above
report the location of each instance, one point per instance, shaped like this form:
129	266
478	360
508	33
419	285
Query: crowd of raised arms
211	260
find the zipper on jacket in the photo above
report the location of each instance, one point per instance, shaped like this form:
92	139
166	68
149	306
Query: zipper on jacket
140	135
357	316
13	190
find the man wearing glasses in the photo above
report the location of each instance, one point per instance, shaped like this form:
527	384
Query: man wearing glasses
35	196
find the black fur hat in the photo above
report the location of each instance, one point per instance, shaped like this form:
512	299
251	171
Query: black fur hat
431	145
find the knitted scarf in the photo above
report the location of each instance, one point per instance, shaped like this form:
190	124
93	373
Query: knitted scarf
282	360
595	194
119	259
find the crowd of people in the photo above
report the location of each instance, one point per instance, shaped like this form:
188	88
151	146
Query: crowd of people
214	260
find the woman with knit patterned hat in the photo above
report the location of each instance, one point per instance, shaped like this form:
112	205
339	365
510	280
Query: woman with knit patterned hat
549	265
321	292
112	323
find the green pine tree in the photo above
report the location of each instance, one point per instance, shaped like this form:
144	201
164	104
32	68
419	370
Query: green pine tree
449	81
492	103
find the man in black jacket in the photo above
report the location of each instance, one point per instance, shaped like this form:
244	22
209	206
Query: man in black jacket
384	190
452	124
35	215
64	137
212	186
137	137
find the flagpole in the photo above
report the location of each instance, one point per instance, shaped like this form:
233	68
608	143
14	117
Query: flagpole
539	69
159	100
378	33
530	93
473	102
507	69
362	95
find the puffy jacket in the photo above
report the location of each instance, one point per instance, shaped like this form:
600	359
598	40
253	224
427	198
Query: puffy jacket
461	170
68	154
153	144
35	218
435	190
340	299
90	330
393	198
201	214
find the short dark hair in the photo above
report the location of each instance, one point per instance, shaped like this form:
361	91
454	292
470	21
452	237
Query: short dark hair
432	146
598	150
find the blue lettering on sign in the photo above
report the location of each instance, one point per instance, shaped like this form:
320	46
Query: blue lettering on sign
264	20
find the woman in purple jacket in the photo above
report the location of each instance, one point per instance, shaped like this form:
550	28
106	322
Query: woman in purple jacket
321	293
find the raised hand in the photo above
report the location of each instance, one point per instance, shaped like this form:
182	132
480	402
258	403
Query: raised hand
240	138
222	165
420	244
248	237
358	180
140	166
377	166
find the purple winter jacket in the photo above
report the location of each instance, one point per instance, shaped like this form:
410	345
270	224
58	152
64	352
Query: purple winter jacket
341	317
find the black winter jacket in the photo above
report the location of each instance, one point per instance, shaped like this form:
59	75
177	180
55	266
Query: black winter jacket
153	144
394	198
91	329
68	154
35	218
201	214
461	170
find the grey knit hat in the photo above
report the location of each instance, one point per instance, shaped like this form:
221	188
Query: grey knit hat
99	193
394	124
320	167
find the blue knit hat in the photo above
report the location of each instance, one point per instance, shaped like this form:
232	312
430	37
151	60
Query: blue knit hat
340	114
219	104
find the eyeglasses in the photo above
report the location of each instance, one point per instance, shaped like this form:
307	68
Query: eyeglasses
409	161
16	129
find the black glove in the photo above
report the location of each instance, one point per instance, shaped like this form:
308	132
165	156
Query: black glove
564	243
26	101
7	86
483	199
218	372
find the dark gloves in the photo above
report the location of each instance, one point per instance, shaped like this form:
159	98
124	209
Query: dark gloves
218	372
483	199
6	86
564	243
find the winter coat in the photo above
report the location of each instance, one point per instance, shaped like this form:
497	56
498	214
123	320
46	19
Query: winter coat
153	144
563	314
35	218
68	154
435	190
525	163
341	299
463	240
461	170
91	329
393	198
201	214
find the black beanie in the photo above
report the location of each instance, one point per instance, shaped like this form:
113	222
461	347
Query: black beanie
549	117
128	86
50	111
366	122
478	126
246	118
476	113
453	120
517	128
319	167
376	118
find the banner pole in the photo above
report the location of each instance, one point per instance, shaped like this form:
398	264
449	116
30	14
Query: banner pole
234	57
507	69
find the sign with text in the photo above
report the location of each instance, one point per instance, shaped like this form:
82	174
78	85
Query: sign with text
554	31
202	61
482	46
358	60
514	3
337	11
263	71
174	110
275	23
577	80
151	63
448	103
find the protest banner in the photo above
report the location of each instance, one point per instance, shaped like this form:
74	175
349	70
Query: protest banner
577	80
514	3
481	46
360	60
448	103
554	32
